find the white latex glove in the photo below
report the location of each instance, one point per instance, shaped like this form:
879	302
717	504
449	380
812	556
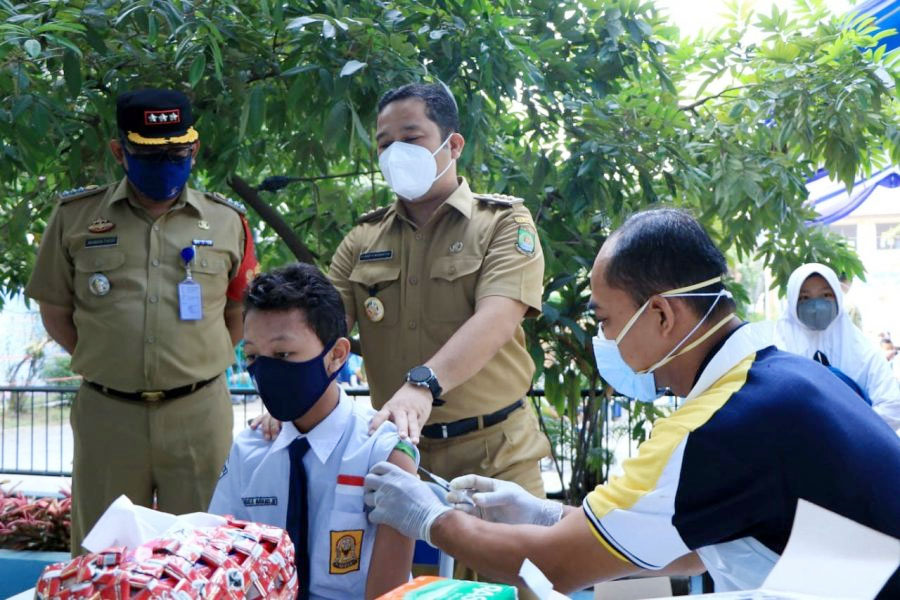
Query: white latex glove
402	501
501	501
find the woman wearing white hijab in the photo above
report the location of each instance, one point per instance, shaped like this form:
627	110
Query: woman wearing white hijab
816	325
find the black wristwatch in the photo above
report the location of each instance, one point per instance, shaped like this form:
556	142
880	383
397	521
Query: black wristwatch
423	376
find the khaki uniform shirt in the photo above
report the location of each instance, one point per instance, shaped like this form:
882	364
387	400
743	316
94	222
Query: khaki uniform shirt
429	280
132	338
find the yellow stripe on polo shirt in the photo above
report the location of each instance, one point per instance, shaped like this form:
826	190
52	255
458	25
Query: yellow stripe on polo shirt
642	473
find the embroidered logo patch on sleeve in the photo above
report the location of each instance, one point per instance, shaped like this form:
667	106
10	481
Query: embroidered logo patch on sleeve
525	241
346	549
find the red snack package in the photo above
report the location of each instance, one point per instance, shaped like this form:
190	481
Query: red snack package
110	557
190	551
154	567
178	568
214	556
139	580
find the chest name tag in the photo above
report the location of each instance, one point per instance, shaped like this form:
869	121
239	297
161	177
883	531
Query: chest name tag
112	240
190	300
260	501
201	242
379	255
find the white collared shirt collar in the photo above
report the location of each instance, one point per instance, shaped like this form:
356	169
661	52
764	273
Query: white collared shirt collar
750	338
324	437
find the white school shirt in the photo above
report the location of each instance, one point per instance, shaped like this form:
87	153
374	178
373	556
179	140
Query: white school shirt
254	486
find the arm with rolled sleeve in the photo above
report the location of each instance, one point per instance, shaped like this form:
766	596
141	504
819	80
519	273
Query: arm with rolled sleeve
510	286
51	284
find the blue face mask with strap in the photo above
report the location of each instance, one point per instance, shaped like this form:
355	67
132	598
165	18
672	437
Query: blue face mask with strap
158	176
289	389
641	385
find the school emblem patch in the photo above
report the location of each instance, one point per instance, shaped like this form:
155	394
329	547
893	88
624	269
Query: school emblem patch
346	548
525	241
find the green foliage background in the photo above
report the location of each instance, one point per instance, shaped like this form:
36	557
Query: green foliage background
589	110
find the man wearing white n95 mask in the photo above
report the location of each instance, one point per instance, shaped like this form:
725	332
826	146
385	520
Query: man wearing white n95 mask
717	484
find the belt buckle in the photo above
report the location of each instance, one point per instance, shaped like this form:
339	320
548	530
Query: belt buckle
444	434
152	396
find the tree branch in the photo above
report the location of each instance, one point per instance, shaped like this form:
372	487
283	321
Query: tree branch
268	214
701	101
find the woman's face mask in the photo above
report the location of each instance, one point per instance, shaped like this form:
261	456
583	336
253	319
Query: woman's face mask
409	169
817	313
642	385
290	389
158	176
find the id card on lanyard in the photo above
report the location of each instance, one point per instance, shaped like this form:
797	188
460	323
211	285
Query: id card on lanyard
190	294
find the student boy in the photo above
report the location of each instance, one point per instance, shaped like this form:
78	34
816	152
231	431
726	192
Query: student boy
309	479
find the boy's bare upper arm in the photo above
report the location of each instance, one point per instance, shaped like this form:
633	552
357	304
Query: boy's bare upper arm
392	552
402	460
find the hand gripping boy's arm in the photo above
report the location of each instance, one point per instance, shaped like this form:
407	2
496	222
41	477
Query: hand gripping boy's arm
393	552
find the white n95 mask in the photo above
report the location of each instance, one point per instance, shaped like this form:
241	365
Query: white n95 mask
642	385
409	169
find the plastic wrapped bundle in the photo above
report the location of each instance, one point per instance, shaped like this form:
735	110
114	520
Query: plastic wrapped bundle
236	561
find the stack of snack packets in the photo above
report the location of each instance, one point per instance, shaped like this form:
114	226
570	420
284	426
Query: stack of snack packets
236	561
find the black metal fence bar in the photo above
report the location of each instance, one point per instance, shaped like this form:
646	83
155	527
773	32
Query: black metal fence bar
28	439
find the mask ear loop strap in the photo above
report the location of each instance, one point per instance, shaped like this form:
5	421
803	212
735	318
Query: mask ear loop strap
672	355
441	174
678	291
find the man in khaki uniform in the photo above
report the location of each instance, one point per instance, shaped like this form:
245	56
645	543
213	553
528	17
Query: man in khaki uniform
439	283
141	282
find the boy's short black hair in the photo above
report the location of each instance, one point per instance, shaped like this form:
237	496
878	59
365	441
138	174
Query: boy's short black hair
304	287
664	249
439	104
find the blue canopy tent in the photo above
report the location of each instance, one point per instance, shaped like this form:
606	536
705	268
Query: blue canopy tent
831	200
887	16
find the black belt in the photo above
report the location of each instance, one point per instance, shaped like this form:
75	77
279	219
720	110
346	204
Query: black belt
156	396
442	431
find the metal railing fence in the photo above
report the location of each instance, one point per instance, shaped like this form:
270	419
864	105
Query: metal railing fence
36	437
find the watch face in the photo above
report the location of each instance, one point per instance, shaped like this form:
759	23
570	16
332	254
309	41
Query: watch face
419	374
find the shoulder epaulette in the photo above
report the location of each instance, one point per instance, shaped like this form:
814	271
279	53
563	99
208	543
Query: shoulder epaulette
81	192
499	200
232	204
373	215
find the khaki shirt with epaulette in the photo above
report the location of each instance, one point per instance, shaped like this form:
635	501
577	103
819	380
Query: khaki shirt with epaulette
429	280
131	338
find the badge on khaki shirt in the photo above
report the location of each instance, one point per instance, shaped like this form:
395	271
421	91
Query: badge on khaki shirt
526	241
346	547
101	225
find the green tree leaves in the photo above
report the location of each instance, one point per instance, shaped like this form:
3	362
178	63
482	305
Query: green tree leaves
589	110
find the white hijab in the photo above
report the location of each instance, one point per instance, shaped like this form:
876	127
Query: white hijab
841	342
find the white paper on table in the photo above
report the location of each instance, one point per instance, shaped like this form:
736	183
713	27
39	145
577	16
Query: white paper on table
537	582
832	556
129	525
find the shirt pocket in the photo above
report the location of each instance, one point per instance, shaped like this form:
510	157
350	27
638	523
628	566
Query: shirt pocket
384	280
108	263
210	269
349	551
451	289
